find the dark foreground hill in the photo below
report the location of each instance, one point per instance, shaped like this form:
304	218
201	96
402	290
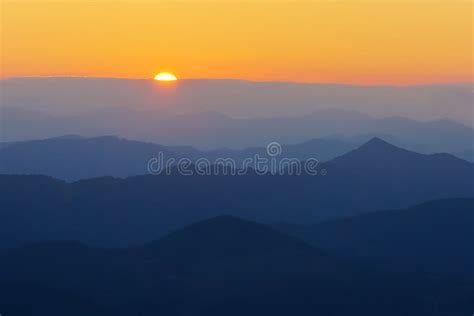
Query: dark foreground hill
225	246
436	237
110	211
221	266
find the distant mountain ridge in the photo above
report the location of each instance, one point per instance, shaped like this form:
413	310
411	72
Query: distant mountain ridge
73	157
211	130
237	98
375	176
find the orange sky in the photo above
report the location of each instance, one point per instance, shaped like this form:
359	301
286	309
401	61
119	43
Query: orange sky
351	41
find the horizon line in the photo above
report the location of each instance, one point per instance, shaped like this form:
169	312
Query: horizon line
361	84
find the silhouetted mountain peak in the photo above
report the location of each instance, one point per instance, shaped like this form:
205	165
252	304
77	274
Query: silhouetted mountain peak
227	246
378	154
224	226
377	142
225	236
377	148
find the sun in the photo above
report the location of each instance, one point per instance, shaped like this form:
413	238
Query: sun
165	76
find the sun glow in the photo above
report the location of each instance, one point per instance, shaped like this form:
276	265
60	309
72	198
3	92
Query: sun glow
165	76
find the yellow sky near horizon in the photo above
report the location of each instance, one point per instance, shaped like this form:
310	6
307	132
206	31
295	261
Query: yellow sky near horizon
351	41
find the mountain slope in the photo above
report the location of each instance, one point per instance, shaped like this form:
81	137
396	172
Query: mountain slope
73	157
223	265
232	248
193	267
377	168
210	130
365	156
434	237
110	211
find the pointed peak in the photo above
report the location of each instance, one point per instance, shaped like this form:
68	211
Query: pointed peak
376	148
376	141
